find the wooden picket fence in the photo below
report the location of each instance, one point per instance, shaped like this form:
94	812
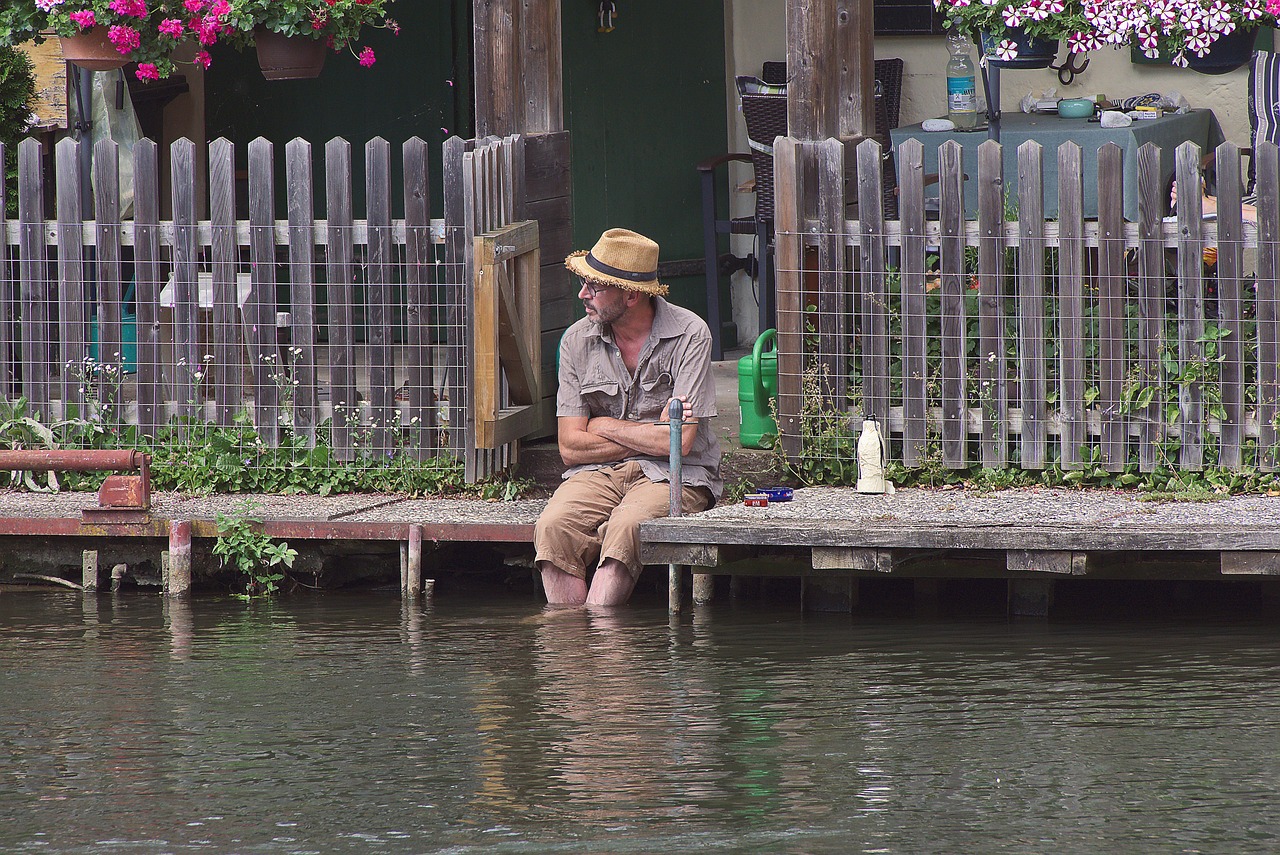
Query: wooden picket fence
980	338
362	327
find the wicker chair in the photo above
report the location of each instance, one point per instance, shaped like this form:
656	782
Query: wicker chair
764	111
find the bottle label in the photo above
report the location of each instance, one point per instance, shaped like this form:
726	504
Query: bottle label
962	95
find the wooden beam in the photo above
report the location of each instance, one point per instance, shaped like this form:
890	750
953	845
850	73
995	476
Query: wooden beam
855	59
1060	562
811	57
1250	563
541	75
497	71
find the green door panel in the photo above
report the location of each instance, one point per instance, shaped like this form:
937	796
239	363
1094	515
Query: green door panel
645	103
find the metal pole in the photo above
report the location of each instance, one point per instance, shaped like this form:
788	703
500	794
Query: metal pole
84	129
675	414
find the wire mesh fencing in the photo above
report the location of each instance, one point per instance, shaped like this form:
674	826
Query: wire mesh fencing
1000	338
245	350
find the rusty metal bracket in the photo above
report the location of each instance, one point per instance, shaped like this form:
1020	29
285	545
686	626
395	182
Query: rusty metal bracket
122	498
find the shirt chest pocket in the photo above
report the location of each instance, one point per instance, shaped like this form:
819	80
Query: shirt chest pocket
602	396
656	388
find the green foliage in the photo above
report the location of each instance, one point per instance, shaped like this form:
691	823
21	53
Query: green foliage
17	91
200	458
828	446
243	545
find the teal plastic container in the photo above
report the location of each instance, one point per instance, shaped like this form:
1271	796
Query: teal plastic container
128	336
757	383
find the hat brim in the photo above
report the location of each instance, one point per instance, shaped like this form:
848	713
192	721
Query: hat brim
577	264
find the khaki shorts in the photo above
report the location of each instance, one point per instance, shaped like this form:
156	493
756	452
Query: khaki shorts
597	514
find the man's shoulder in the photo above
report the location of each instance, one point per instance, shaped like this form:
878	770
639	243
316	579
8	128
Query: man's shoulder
684	321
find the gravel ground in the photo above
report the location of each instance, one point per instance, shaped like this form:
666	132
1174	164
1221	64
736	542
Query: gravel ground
1044	507
812	506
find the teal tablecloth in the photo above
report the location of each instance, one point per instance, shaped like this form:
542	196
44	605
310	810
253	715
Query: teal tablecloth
1050	130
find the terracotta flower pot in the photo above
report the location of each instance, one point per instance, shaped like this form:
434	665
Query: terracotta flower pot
92	50
288	57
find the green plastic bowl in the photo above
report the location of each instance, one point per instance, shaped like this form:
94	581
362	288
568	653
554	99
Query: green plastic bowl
1075	108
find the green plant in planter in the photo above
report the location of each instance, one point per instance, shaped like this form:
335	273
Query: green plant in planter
17	91
338	23
1007	22
244	545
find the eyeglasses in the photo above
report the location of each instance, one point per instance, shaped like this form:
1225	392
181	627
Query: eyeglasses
593	290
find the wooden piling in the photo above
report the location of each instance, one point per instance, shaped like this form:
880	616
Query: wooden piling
704	588
179	581
89	570
414	562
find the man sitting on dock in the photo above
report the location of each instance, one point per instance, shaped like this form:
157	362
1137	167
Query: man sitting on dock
620	367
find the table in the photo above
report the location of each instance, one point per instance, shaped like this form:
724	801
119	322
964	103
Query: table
1051	130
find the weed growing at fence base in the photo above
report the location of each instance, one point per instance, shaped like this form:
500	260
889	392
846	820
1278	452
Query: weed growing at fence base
195	457
243	545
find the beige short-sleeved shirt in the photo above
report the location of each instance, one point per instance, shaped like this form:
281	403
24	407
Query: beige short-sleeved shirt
676	360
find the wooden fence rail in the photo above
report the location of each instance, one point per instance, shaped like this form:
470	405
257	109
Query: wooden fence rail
998	338
359	327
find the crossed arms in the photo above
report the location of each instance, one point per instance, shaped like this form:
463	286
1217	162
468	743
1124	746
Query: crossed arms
602	439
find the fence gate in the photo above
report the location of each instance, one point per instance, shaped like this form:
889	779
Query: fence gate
317	326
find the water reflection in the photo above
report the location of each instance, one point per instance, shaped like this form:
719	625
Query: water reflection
355	723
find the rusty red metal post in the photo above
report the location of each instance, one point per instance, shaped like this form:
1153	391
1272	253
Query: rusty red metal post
179	582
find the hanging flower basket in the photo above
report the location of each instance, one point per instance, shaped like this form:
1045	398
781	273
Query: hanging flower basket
284	57
92	50
1228	53
1027	51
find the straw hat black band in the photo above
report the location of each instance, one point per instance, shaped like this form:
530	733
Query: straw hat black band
600	267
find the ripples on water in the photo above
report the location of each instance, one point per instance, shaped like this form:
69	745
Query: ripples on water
348	723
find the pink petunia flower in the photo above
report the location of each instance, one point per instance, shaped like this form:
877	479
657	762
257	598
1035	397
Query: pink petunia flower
1006	50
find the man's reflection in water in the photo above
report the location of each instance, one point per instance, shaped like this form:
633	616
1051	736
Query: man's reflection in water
639	742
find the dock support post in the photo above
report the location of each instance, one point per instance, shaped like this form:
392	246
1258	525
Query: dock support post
704	588
675	476
179	558
89	570
413	575
828	594
1030	597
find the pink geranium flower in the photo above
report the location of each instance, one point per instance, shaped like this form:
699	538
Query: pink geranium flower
147	71
126	39
129	8
367	59
85	19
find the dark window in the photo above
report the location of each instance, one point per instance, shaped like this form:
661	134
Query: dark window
906	17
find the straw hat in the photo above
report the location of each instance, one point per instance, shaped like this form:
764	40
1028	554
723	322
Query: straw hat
621	259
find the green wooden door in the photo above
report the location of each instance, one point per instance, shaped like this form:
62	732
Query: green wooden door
645	103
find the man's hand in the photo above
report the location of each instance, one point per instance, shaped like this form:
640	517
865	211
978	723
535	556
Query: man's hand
686	416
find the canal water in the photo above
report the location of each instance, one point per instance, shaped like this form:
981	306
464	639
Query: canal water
342	723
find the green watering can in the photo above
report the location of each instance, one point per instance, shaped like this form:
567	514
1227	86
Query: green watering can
757	383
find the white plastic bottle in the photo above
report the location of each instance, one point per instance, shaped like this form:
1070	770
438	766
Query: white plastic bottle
962	89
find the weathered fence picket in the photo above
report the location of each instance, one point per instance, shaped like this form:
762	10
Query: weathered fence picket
1123	340
993	367
310	322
